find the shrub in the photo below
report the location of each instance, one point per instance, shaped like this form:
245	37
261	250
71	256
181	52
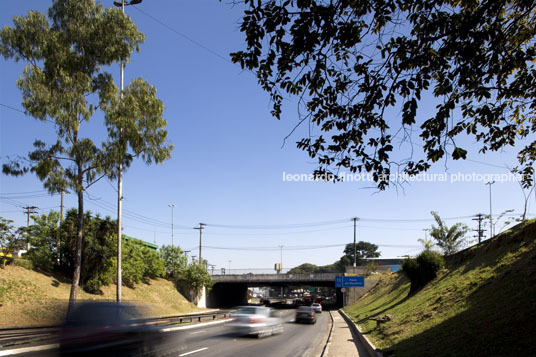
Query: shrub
423	269
93	286
154	267
23	263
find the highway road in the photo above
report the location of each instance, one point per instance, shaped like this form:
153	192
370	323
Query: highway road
296	340
217	339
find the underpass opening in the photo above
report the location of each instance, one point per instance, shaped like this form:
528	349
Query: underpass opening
243	291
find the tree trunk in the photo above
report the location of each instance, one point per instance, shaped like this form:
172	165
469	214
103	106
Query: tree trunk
79	237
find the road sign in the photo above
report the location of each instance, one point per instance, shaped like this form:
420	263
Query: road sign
349	281
343	290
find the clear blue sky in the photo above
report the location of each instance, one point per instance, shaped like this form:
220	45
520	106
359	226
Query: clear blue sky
228	163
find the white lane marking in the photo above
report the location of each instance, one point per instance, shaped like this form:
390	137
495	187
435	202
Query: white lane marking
169	329
189	353
193	333
28	349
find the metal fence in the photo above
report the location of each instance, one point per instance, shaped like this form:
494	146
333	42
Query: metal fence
19	336
242	271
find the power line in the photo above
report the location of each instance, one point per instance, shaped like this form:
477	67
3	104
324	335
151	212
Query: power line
327	223
131	215
280	226
304	247
20	111
22	193
184	36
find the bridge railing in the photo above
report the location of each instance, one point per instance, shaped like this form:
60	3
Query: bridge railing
241	278
242	271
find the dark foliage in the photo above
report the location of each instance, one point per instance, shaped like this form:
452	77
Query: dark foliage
423	269
362	70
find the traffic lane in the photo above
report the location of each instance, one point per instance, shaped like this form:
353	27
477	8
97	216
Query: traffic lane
296	340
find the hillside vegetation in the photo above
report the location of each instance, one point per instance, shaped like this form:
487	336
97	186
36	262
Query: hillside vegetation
31	298
483	303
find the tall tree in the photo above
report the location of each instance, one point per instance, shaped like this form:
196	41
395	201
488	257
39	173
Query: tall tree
64	81
449	239
11	239
45	241
355	65
175	261
363	250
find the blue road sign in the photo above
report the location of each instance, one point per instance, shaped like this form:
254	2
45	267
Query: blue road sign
349	281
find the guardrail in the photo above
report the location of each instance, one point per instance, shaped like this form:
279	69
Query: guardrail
17	336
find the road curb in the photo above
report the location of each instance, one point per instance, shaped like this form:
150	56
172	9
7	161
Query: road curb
369	346
328	341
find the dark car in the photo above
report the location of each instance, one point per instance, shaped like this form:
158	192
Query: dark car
107	329
305	314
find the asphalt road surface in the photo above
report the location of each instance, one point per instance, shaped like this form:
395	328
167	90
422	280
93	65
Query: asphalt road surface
218	340
296	340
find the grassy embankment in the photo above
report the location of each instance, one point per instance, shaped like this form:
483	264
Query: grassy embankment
483	303
28	297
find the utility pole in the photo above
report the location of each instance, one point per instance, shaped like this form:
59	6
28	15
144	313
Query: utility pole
171	205
355	244
426	233
61	205
490	211
229	271
201	227
212	266
186	253
122	5
29	210
281	260
479	217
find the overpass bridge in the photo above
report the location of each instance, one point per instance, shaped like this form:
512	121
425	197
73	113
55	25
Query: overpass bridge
231	290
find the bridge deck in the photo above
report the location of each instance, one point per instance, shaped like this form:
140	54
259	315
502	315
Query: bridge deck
275	278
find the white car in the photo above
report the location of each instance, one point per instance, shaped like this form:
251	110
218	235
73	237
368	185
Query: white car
317	307
256	320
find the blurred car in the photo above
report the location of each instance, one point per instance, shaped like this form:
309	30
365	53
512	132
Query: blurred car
317	307
305	314
256	320
107	329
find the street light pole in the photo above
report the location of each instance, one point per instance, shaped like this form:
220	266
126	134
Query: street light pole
355	245
171	205
490	211
229	266
122	5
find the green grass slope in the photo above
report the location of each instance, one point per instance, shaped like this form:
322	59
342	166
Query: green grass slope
483	303
28	297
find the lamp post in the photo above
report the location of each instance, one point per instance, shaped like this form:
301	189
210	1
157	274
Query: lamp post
171	205
355	244
122	5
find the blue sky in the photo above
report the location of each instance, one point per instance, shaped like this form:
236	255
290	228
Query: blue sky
228	163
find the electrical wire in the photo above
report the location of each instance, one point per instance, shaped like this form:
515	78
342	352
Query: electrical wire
183	35
20	111
280	226
127	214
308	247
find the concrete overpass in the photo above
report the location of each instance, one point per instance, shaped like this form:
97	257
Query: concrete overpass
231	290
